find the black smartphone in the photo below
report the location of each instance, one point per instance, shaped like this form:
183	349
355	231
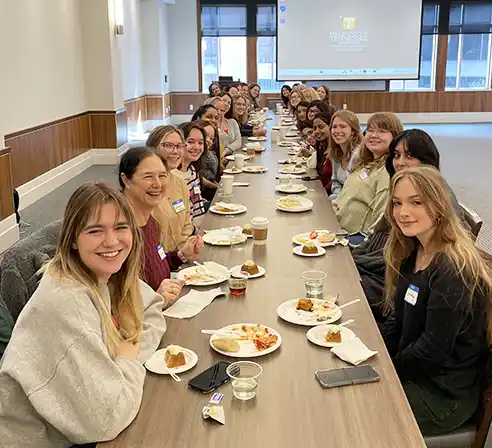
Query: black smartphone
309	178
346	377
210	379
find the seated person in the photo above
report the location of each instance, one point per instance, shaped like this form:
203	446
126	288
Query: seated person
144	178
229	132
321	127
210	167
285	95
73	370
173	213
254	96
364	194
301	113
315	107
214	90
239	112
439	290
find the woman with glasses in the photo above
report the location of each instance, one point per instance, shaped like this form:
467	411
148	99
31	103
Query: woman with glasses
173	213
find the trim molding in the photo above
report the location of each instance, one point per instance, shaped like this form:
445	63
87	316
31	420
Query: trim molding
9	232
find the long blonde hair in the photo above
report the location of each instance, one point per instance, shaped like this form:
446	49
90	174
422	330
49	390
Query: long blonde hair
124	286
449	237
241	119
308	94
335	151
387	121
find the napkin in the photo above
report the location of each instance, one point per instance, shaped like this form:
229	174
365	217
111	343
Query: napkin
214	412
353	351
240	184
192	303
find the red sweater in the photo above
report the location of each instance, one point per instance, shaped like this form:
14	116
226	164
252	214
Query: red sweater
154	269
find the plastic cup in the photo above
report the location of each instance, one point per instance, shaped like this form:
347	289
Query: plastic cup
238	283
314	282
227	181
239	161
244	379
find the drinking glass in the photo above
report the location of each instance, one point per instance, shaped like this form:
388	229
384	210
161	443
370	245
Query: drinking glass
238	242
238	283
314	282
244	376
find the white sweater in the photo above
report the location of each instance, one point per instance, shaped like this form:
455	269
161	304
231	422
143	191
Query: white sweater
232	140
58	384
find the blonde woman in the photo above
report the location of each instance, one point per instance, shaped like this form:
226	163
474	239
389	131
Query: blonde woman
308	94
73	371
239	112
365	192
344	147
173	214
439	292
229	132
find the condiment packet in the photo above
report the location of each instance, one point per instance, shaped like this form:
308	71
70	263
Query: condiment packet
215	413
216	398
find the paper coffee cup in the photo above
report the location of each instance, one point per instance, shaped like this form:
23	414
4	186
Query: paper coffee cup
239	161
227	182
260	230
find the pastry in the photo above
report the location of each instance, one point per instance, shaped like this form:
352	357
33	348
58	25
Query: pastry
333	334
174	356
304	305
326	237
226	345
309	248
250	267
247	229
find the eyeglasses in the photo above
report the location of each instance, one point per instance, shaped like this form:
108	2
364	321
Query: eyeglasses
171	146
376	131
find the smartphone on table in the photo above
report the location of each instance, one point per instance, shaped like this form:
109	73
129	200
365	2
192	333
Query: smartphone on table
346	377
210	379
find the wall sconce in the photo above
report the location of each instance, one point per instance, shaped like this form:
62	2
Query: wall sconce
118	17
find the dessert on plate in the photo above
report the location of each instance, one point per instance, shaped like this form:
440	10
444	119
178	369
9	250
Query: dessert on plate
304	305
333	334
250	267
309	248
248	229
226	345
174	356
326	238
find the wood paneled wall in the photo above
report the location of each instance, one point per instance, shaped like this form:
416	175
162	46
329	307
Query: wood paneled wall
154	107
181	102
6	185
145	108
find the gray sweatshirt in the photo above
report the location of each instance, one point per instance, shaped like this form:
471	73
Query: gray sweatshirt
58	384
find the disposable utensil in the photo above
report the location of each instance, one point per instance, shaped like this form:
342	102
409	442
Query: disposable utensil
173	375
349	303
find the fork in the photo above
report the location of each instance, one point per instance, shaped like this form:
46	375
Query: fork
173	375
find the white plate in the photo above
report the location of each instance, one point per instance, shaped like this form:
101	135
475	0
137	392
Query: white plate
232	171
248	349
298	251
290	188
288	312
298	239
222	239
220	271
304	204
237	269
257	139
231	158
157	364
238	209
317	335
285	144
255	169
292	170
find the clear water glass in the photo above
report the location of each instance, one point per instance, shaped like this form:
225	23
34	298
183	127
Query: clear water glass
238	242
314	282
244	379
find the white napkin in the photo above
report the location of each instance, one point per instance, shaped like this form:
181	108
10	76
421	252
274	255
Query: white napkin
240	184
192	303
214	412
353	351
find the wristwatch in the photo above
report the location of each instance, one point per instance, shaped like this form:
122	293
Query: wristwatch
182	257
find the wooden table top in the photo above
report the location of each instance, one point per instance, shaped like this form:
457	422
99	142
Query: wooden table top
291	409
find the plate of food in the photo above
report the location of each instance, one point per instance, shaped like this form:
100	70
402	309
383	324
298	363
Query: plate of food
292	170
293	135
323	238
248	230
294	204
231	157
172	358
249	266
224	208
208	274
233	170
285	144
309	250
246	341
257	169
291	188
330	335
293	152
309	312
224	238
257	139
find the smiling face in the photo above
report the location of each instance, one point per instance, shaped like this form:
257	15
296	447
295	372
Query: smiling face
105	242
239	107
171	147
295	99
377	141
285	92
220	106
312	112
212	115
409	211
226	101
402	159
341	131
233	91
194	145
215	90
321	93
244	89
301	112
321	130
210	131
308	135
255	91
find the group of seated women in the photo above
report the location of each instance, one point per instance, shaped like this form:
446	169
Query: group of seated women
73	370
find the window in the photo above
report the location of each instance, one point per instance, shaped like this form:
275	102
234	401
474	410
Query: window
469	47
223	43
428	54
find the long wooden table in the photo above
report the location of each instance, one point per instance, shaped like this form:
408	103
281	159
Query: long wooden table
291	409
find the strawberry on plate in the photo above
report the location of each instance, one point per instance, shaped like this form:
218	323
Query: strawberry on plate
313	235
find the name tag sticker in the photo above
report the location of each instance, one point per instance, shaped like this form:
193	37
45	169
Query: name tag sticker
178	206
411	295
160	251
196	188
363	175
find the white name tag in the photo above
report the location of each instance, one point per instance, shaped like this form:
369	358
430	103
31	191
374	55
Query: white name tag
411	295
196	188
160	251
178	206
363	175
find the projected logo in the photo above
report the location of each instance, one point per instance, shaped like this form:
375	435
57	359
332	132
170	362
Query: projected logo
349	23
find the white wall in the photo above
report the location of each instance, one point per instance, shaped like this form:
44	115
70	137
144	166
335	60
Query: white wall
150	40
164	46
42	74
183	49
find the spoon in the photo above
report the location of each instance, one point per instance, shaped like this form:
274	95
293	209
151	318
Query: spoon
221	332
347	322
349	303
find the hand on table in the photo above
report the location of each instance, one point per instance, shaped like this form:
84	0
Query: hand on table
170	289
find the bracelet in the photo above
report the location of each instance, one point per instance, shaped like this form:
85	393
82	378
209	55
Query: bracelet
182	257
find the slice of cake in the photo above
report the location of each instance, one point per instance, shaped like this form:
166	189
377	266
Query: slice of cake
326	237
248	229
250	267
174	356
333	334
309	248
304	305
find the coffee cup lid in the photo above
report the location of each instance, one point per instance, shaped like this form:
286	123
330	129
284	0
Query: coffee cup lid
258	220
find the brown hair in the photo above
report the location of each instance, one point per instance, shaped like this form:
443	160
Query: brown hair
241	119
336	152
126	299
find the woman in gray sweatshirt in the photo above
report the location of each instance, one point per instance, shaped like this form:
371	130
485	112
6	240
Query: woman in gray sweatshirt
73	371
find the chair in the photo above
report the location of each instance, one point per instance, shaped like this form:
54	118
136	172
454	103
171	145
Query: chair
472	219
